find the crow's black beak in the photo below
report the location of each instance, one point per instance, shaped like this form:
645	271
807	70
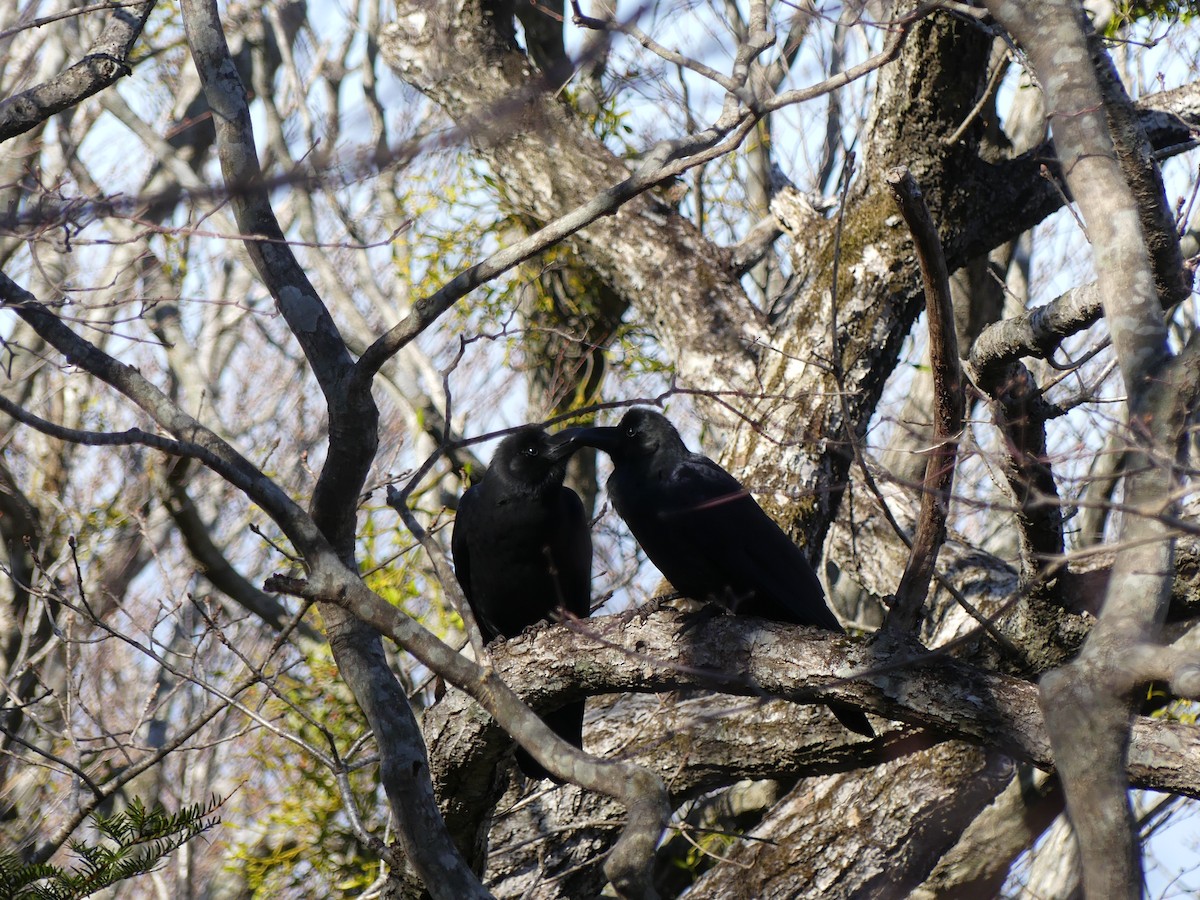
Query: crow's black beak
606	439
564	443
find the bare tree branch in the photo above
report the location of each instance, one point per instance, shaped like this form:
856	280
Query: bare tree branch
766	660
1021	414
106	61
948	404
404	765
353	439
1088	700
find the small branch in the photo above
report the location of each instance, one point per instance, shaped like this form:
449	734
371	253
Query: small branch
127	774
194	440
98	794
128	438
751	249
443	570
948	404
985	98
673	56
109	6
197	536
1036	332
774	72
105	62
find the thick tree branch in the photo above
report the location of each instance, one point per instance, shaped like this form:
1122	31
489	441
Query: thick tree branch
759	659
1024	190
873	304
353	417
912	795
1172	281
1036	332
1088	702
641	792
1021	414
696	741
978	864
105	62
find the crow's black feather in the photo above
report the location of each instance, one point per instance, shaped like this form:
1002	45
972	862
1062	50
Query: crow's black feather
705	532
523	552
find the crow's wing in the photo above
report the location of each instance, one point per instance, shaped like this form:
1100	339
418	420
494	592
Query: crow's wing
460	541
572	552
465	523
757	561
730	540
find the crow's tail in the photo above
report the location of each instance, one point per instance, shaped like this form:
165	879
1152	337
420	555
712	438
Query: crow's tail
852	718
567	723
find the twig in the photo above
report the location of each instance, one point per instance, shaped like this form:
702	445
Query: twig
948	404
445	574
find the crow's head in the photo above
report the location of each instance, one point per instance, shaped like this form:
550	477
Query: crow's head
533	459
641	433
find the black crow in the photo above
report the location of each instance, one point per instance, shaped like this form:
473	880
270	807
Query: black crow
705	533
523	552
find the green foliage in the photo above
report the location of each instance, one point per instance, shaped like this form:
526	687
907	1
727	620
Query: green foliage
607	121
633	355
1129	12
1159	704
132	843
455	223
303	843
384	552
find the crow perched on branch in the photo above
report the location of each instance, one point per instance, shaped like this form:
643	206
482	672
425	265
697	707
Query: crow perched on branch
523	552
705	533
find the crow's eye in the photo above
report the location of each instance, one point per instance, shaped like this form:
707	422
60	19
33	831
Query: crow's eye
630	431
530	450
